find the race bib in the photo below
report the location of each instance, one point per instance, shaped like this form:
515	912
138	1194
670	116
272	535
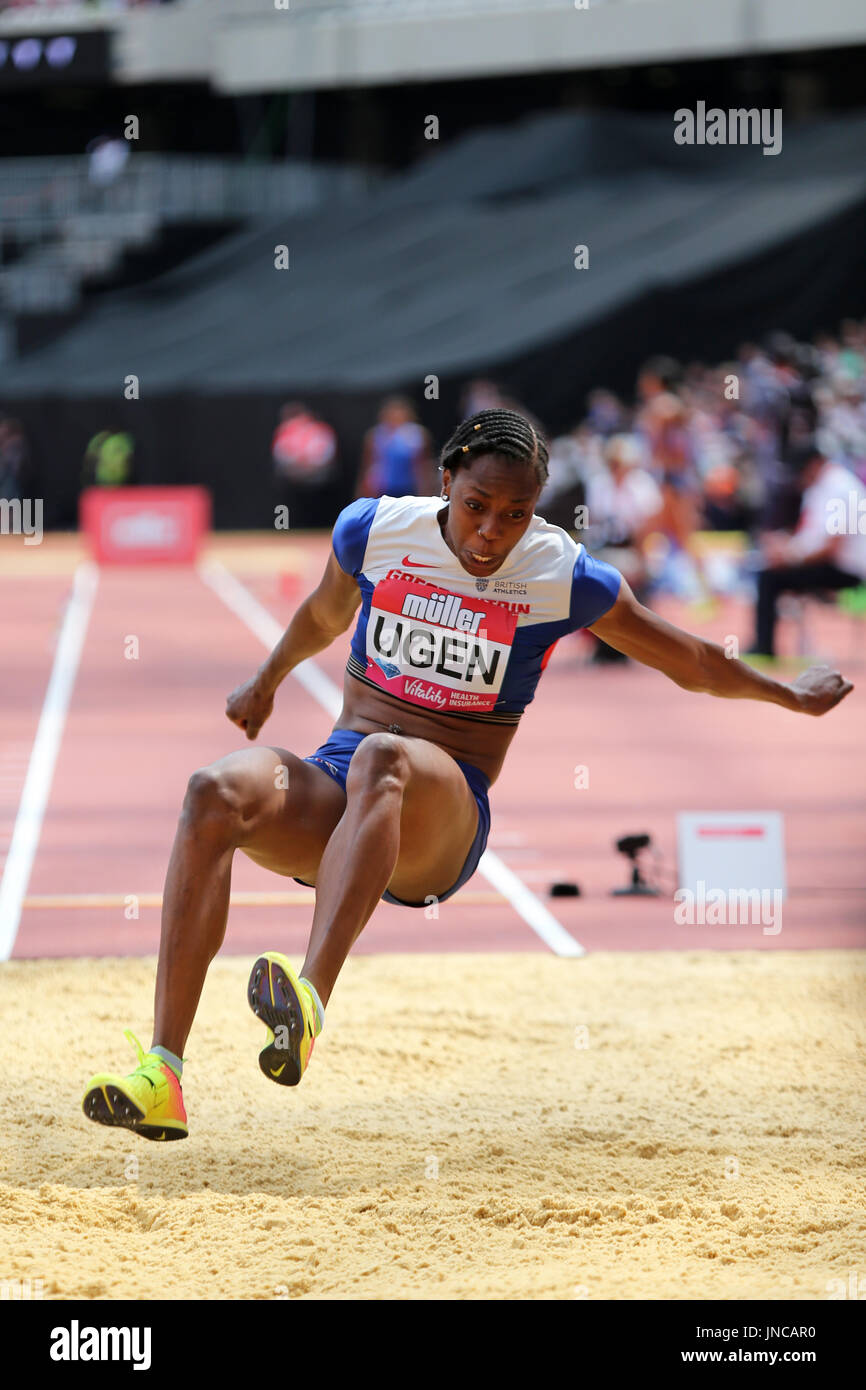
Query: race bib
435	648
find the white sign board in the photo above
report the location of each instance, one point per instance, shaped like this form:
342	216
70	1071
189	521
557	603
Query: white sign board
731	850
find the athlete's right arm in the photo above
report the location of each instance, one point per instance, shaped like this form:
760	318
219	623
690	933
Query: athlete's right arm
321	617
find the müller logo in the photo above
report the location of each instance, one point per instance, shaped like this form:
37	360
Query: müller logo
445	610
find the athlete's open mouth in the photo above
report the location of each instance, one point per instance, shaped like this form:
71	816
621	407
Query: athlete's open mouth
481	559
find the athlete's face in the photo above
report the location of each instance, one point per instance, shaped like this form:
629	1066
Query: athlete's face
491	504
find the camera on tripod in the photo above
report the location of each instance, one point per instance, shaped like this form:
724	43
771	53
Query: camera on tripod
631	846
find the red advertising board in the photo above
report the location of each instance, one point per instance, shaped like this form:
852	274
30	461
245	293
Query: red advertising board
144	525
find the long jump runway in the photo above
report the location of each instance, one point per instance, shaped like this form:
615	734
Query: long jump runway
162	650
526	1097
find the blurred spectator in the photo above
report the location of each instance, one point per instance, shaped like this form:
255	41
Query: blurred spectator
625	504
304	453
717	440
725	507
852	358
13	459
571	459
842	410
665	426
606	414
396	460
108	460
107	160
304	448
828	549
480	394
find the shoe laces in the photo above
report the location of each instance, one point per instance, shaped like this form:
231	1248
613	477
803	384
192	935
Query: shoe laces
145	1067
130	1037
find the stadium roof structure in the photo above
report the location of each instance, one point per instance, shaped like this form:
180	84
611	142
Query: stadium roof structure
463	263
278	45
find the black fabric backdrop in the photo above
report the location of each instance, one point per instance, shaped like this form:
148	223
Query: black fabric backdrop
461	267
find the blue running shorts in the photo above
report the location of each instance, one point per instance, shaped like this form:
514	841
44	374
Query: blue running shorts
334	757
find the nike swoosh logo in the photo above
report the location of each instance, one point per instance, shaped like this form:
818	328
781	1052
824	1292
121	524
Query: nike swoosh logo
278	1070
419	564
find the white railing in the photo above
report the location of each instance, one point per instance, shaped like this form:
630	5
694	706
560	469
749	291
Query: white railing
398	9
64	11
36	194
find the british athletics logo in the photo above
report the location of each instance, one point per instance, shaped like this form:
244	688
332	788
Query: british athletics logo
436	648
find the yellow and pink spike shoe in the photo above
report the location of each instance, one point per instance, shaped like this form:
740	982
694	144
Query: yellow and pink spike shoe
149	1101
286	1008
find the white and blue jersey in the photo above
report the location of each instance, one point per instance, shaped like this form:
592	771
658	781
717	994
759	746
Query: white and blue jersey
433	635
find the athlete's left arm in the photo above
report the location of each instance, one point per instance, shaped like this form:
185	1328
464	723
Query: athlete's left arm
698	665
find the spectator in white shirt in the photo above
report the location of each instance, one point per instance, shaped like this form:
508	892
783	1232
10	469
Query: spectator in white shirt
828	548
624	500
625	504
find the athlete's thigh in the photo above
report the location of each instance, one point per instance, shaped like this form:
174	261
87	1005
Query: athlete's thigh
290	809
438	822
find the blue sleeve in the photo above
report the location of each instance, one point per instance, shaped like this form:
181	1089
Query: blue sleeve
594	590
351	531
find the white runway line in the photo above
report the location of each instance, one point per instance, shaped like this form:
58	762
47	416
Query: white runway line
530	908
257	618
46	746
264	625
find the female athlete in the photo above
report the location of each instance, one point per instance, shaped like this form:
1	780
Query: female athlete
462	599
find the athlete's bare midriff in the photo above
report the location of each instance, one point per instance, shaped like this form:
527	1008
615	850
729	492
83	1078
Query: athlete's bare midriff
367	711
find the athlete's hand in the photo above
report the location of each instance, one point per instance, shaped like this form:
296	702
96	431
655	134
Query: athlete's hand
250	705
819	689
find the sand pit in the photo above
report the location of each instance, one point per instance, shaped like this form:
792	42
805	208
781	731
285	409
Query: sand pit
622	1126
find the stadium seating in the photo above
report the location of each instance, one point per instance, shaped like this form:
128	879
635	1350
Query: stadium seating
67	229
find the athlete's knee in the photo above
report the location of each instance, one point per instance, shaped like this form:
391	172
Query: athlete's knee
380	762
213	798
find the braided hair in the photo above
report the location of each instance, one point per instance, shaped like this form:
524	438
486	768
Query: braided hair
502	432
